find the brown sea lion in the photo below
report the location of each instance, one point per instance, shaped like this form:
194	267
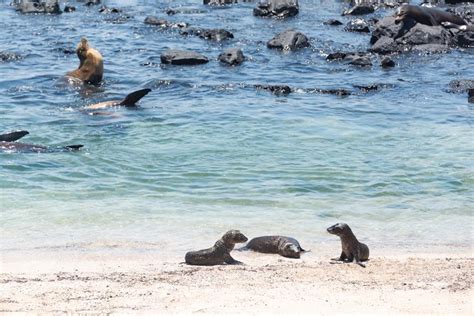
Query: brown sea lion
427	16
285	246
352	249
129	101
91	65
219	253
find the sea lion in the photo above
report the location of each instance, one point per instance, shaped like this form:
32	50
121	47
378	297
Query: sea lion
91	65
427	16
284	246
129	101
352	249
8	144
219	253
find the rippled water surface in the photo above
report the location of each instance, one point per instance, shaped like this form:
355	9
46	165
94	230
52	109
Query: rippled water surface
206	152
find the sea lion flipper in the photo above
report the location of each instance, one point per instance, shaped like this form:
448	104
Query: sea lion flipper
13	136
134	97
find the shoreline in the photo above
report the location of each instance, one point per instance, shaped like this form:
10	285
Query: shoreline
395	282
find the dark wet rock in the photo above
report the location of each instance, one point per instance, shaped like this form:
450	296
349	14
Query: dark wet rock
357	25
217	35
218	2
38	6
336	56
348	56
363	61
232	57
92	2
465	39
387	62
276	8
105	10
359	10
336	92
470	96
182	10
372	87
389	37
69	9
288	40
275	89
7	56
182	57
460	85
153	20
332	22
457	1
466	12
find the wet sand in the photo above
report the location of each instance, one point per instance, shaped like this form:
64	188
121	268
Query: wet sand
410	283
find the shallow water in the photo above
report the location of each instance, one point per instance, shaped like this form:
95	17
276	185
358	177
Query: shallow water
206	152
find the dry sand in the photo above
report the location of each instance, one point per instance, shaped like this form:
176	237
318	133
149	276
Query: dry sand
266	284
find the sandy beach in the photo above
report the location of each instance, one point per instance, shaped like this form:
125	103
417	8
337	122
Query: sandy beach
397	283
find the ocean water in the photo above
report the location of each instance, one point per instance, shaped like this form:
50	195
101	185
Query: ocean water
206	152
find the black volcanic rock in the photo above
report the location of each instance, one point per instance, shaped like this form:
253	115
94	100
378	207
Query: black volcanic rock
182	57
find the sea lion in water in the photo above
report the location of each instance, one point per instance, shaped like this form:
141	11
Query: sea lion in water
427	16
284	246
352	249
91	65
8	144
129	101
219	253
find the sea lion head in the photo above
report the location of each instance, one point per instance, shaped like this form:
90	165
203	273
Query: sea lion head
339	229
82	49
401	14
290	250
234	236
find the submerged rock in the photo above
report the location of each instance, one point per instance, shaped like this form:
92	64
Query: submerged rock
7	56
471	96
275	89
217	35
387	62
276	8
332	22
38	6
69	9
460	85
182	57
289	40
357	25
218	2
232	57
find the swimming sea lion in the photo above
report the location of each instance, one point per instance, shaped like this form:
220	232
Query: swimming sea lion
129	101
352	249
8	144
285	246
427	16
91	65
219	253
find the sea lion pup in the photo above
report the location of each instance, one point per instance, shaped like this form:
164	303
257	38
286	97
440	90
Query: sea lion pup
219	253
352	249
129	101
91	65
8	144
284	246
427	16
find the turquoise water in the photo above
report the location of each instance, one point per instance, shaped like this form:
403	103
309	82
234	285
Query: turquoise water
206	152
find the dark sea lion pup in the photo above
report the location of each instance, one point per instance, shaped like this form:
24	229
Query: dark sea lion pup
219	253
285	246
91	65
129	101
427	16
352	249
